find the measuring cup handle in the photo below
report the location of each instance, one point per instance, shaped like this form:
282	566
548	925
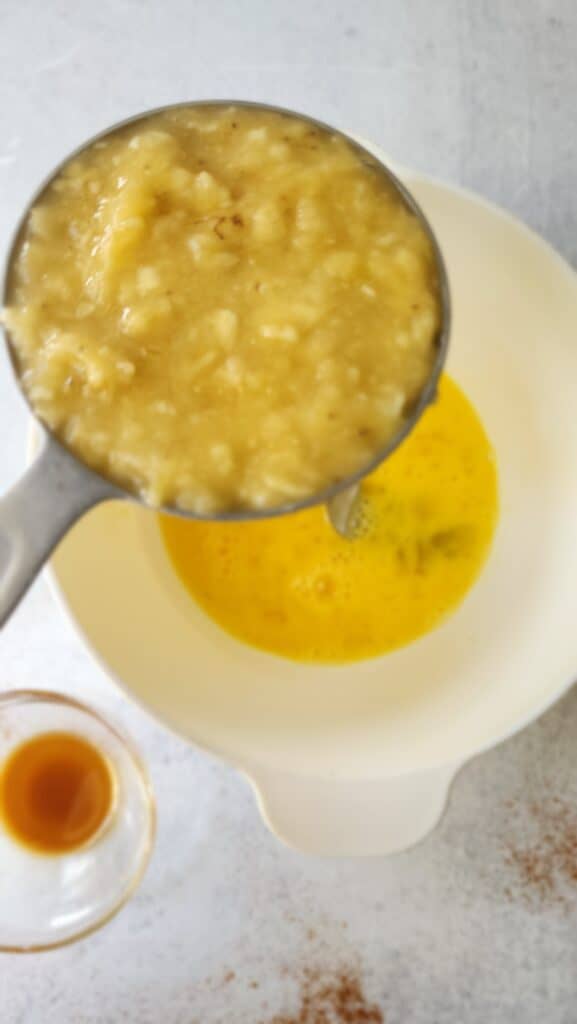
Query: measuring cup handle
37	512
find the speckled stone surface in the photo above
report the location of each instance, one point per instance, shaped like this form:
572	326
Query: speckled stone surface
477	925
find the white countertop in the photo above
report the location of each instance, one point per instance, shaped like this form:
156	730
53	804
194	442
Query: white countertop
459	929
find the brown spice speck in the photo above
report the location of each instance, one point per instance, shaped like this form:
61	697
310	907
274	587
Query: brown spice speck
545	865
333	999
216	227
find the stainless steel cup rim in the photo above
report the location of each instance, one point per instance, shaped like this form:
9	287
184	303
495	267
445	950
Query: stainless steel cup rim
427	395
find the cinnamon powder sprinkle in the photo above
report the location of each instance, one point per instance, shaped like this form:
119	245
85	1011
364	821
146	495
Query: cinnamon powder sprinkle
332	999
545	865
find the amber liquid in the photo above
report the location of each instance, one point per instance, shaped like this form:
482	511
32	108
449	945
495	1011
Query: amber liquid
56	791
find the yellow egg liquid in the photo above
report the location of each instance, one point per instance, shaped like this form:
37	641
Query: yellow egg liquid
292	586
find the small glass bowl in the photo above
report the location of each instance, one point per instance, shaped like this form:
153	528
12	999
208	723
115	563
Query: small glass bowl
49	900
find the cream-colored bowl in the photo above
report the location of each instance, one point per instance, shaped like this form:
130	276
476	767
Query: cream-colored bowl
358	760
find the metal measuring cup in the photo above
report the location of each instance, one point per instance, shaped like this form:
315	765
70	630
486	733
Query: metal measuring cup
59	488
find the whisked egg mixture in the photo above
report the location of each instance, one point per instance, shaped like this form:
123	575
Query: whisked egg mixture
292	586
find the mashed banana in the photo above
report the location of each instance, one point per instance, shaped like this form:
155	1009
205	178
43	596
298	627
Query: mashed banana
222	308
